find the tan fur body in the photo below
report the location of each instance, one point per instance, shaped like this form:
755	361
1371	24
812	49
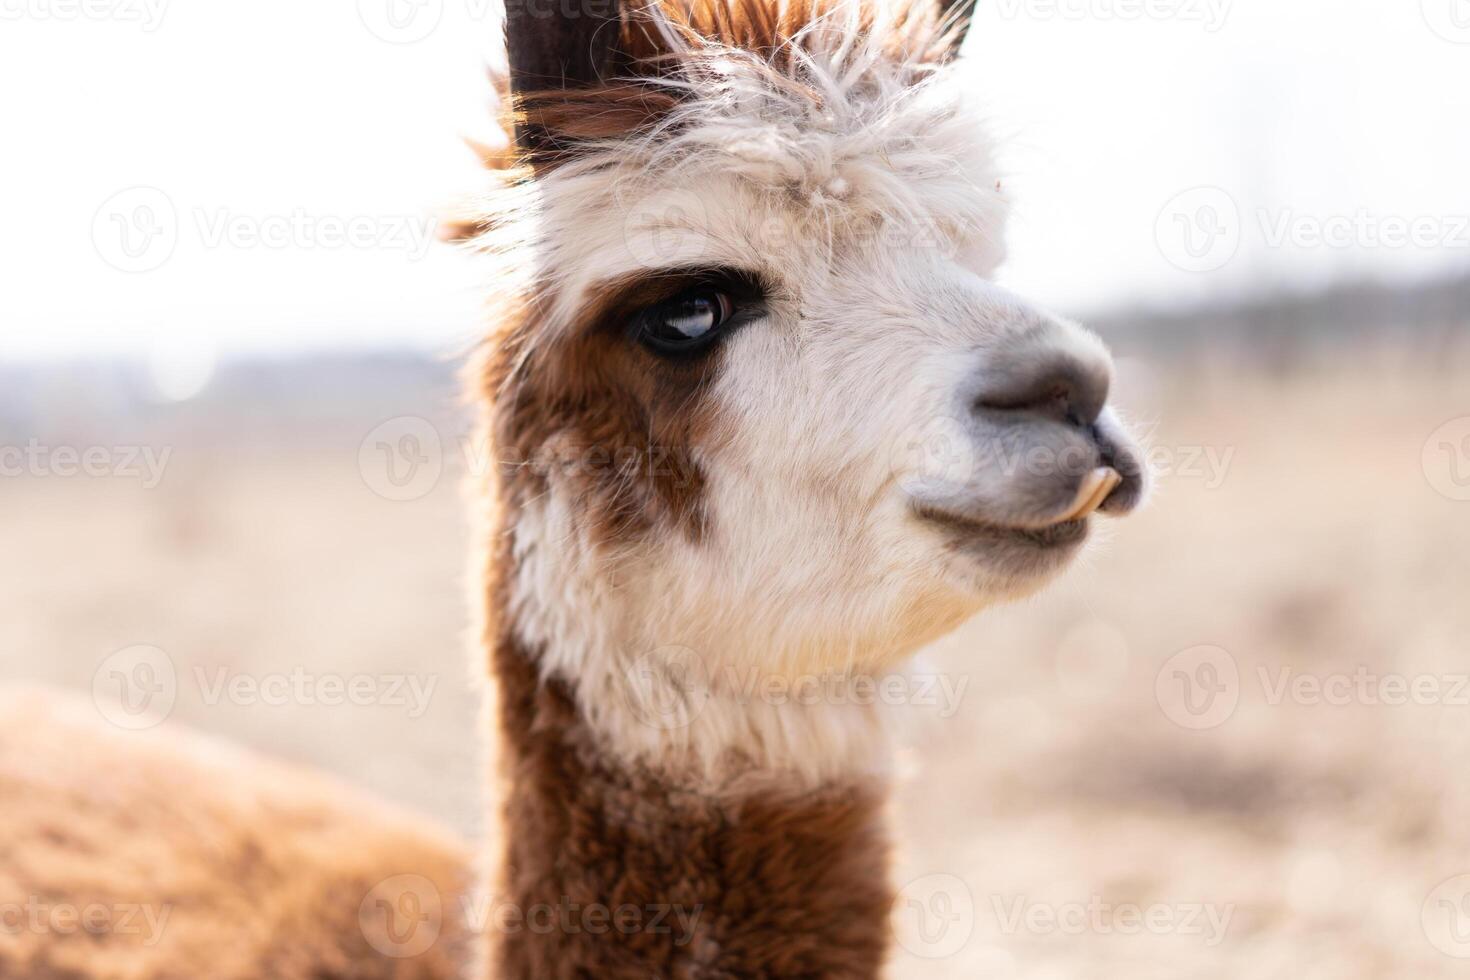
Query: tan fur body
193	859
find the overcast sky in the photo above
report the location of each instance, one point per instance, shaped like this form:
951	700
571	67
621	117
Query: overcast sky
1160	151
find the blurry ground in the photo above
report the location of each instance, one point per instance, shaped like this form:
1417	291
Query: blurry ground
1094	809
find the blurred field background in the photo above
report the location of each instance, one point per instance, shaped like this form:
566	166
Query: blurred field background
1266	202
1303	527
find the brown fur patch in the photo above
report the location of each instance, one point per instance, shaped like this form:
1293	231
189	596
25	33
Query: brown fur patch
557	122
757	884
616	428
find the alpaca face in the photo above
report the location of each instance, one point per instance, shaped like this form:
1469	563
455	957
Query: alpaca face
766	409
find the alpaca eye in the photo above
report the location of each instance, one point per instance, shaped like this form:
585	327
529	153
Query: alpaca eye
687	322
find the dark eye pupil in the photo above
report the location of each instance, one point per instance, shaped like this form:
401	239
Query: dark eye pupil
686	322
693	316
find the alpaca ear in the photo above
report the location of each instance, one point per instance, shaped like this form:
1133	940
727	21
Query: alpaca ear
958	15
560	45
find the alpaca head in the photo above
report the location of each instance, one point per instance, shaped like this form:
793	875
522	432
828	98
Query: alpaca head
756	397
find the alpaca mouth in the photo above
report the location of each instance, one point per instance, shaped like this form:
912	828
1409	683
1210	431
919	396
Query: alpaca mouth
1065	530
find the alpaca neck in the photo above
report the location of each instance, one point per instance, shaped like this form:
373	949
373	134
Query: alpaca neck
611	868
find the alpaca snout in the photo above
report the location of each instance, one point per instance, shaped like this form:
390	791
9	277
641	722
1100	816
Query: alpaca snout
1049	394
1040	448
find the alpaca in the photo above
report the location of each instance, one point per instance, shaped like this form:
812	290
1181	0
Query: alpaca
764	428
162	855
744	253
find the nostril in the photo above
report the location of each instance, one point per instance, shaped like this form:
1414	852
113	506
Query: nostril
1063	390
1054	401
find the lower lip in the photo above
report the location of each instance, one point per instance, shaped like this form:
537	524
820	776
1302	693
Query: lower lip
1057	536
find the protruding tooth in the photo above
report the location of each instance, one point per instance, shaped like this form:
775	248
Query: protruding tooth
1095	488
